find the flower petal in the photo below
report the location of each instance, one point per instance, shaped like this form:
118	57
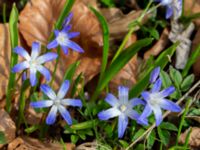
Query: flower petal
22	52
169	12
47	57
154	74
122	125
145	114
73	34
68	19
41	104
52	44
109	113
111	99
33	78
133	114
168	91
156	86
145	95
63	89
44	71
51	118
48	91
21	66
136	101
56	32
65	114
74	46
66	28
65	49
123	94
71	102
169	105
35	50
158	115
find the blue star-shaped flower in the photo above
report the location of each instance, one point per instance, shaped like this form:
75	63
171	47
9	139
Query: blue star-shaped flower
174	8
156	100
57	103
34	62
63	38
121	107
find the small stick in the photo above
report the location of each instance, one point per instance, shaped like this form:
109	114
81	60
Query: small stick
165	114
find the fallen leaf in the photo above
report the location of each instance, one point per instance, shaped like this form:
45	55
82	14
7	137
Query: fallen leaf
7	126
22	143
159	45
194	139
195	43
192	7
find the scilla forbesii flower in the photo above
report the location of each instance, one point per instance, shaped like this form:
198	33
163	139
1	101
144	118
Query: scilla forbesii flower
121	107
156	100
34	62
63	38
57	102
174	8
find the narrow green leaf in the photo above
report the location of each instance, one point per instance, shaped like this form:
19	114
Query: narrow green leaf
164	136
151	139
187	82
122	60
105	29
168	126
2	138
138	134
14	57
84	125
32	129
166	81
74	139
192	59
71	71
175	76
124	143
161	61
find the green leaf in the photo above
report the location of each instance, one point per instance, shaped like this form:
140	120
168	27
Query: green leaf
2	138
105	29
84	125
175	76
168	126
120	62
138	134
123	143
74	138
108	3
187	82
32	129
192	59
151	139
154	33
70	71
13	21
161	61
164	136
166	81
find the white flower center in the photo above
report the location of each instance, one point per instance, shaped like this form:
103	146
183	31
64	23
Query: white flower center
155	99
56	102
33	63
122	108
61	38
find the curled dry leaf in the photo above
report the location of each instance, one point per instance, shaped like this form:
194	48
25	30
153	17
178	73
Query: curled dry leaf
40	16
159	45
22	143
7	126
194	139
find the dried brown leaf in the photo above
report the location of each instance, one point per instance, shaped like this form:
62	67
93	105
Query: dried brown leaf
7	126
194	139
159	45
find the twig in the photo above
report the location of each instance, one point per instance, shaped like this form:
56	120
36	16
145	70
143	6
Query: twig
165	114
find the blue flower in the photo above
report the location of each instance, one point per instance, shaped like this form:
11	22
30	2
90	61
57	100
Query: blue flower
57	103
63	38
34	62
155	101
121	107
174	8
154	74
